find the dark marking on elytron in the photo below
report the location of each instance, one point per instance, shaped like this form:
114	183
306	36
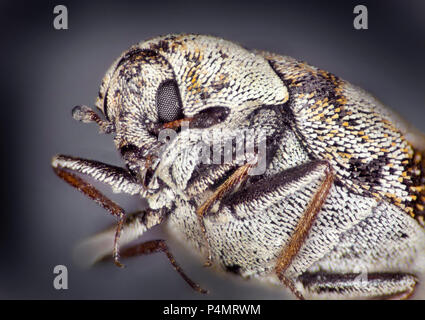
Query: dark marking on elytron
415	169
318	83
338	182
323	84
352	122
370	172
287	108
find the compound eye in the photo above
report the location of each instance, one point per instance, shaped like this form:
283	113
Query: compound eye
168	102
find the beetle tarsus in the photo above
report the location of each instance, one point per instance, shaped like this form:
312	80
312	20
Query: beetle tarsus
154	246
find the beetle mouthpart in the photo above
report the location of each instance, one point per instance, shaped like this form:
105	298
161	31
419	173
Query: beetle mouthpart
147	172
145	177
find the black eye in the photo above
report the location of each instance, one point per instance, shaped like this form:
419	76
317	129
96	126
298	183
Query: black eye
168	102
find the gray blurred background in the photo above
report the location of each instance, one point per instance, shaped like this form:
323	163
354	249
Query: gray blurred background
45	72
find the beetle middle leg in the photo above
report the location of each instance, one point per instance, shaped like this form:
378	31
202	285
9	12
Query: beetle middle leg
96	248
155	246
306	187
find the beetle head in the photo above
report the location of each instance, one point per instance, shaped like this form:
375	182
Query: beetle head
205	82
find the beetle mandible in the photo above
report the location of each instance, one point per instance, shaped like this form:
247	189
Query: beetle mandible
342	191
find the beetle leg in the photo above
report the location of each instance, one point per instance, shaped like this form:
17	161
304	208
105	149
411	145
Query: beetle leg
95	195
119	179
96	247
312	180
354	286
237	177
304	225
155	246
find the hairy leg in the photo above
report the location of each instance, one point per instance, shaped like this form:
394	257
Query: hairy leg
323	285
227	186
304	225
119	179
155	246
99	245
312	181
116	177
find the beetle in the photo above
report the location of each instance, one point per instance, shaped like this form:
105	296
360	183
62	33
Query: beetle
337	210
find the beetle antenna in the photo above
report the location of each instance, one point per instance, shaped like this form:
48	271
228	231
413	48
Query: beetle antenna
87	115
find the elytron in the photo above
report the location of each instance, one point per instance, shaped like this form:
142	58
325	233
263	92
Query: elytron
338	211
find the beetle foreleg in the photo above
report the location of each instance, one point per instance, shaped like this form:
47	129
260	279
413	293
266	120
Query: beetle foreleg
119	179
100	199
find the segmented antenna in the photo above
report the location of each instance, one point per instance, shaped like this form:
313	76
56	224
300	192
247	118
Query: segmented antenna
87	115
